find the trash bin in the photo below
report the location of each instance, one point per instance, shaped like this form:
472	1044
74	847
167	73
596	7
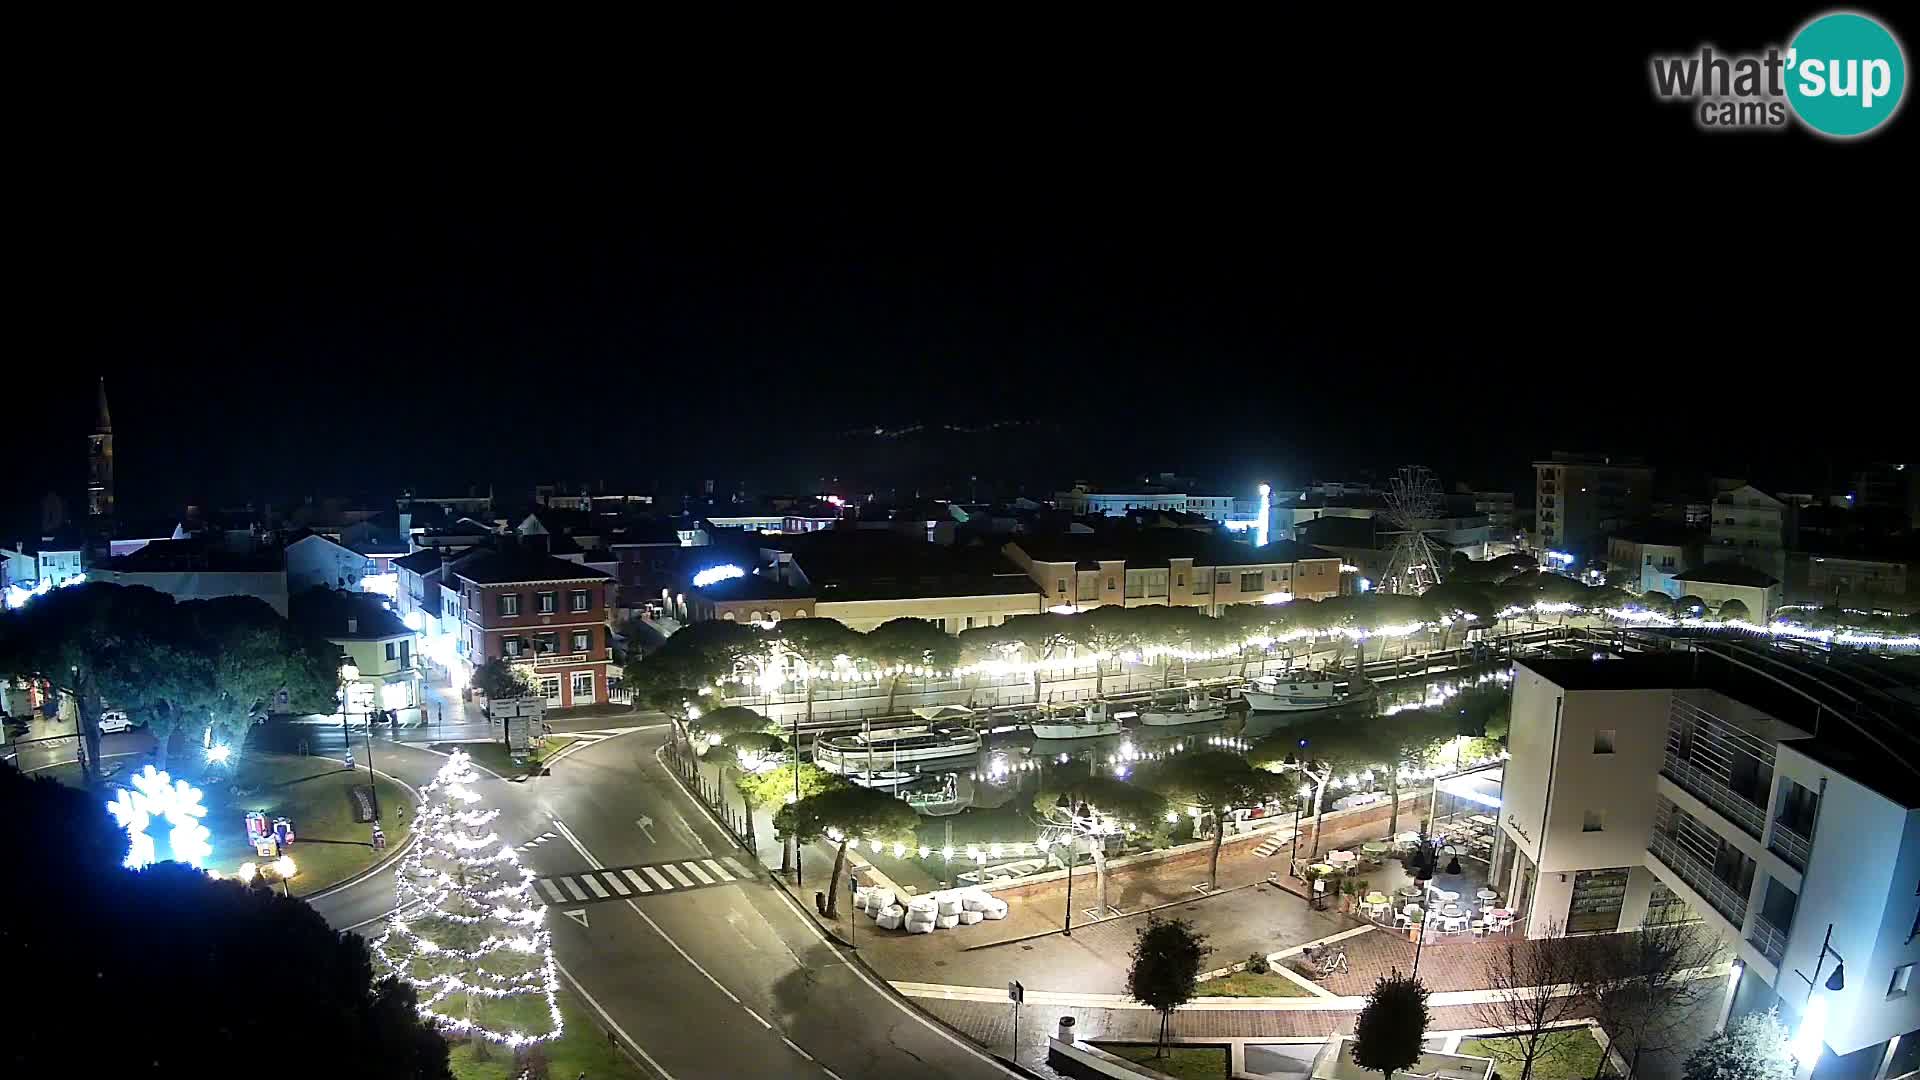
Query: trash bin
820	902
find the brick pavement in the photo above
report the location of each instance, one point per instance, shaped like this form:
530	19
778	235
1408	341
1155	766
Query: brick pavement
1458	964
991	1025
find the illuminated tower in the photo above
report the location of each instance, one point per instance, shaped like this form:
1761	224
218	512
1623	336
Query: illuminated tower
100	464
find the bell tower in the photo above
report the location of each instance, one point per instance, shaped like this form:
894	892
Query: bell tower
100	464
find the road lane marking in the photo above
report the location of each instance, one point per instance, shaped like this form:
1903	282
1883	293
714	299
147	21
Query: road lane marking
618	885
637	883
572	888
757	1016
658	879
553	894
593	883
800	914
796	1048
695	870
615	1025
716	868
677	875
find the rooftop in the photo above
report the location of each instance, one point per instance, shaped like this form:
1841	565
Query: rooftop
516	564
1149	548
326	611
1670	534
173	556
750	587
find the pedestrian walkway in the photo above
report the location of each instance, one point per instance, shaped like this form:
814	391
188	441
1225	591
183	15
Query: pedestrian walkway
649	879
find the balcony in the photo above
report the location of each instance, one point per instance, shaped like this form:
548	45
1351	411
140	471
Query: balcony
1790	844
1769	939
1699	876
554	659
1709	789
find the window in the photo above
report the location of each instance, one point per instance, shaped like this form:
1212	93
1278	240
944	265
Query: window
1897	986
548	603
393	650
510	646
1110	582
1060	586
546	642
582	640
583	688
579	600
509	604
1603	741
1221	577
550	688
406	654
1593	821
1251	582
1180	581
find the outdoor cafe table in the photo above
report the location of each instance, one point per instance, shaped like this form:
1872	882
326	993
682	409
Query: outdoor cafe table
1321	868
1486	894
1406	838
1452	911
1375	848
1340	858
1409	892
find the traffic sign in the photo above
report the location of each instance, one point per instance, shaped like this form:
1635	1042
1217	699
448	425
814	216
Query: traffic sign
1015	992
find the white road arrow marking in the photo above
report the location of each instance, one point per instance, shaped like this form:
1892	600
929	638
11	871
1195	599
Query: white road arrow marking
578	915
646	826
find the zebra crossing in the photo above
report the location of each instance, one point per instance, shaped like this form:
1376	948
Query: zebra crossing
626	882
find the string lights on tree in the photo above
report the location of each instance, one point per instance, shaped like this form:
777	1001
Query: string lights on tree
468	930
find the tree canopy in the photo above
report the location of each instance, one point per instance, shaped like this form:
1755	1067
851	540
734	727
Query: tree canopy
856	813
183	961
716	726
1165	970
1388	1033
214	663
1215	781
1753	1047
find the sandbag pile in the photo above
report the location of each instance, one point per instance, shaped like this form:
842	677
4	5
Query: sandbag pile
925	914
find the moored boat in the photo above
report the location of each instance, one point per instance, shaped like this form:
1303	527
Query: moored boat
1198	708
1291	693
1098	718
887	750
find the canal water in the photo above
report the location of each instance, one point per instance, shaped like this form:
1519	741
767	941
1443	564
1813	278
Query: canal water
977	812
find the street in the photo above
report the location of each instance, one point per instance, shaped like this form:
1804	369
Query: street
731	980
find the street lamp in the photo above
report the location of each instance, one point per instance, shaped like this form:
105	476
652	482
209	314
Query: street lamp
284	867
350	674
1813	1022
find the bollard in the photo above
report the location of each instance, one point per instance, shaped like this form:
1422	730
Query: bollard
1066	1029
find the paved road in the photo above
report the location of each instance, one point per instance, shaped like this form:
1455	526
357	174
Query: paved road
727	978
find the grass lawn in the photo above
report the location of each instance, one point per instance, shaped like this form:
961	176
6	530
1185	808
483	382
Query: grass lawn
312	792
1572	1056
583	1049
1185	1062
1247	984
494	755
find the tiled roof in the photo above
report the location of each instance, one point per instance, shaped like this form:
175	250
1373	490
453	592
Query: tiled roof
519	564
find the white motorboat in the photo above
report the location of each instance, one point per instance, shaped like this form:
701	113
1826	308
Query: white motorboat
1098	718
1291	693
885	751
1196	709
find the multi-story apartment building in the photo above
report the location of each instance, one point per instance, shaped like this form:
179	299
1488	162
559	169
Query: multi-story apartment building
46	558
549	615
1742	786
1855	580
1580	498
1086	502
383	649
1171	567
1752	527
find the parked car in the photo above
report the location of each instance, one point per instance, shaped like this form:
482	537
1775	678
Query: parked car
115	720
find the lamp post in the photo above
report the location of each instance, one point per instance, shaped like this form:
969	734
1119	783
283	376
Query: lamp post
350	674
284	867
1813	1019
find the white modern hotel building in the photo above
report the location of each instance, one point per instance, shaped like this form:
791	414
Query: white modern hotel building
1775	796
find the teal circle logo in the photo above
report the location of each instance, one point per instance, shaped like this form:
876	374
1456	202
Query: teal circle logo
1845	74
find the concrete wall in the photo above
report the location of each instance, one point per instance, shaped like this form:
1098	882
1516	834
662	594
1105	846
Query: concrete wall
864	615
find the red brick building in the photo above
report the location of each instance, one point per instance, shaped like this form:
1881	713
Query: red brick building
547	614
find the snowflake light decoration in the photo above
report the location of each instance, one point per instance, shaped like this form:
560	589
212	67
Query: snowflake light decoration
157	795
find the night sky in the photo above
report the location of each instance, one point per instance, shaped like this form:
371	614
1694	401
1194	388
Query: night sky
1286	252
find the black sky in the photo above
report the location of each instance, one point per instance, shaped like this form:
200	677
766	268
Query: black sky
1282	250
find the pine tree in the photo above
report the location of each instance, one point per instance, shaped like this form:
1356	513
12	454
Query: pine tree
468	931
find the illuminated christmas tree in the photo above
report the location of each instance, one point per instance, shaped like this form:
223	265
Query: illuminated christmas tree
468	931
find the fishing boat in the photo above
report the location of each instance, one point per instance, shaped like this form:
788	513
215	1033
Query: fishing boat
1198	708
872	752
885	778
1098	718
953	794
1292	693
